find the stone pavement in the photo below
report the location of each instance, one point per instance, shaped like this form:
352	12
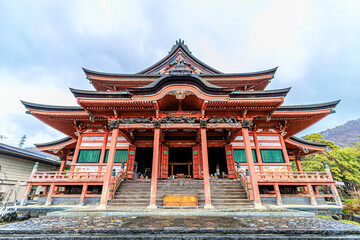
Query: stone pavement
179	227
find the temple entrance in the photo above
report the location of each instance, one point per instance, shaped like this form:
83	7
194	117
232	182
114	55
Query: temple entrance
180	162
143	162
217	162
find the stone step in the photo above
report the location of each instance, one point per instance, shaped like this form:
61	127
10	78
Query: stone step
224	193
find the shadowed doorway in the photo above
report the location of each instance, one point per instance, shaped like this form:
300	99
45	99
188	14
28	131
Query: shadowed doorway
180	161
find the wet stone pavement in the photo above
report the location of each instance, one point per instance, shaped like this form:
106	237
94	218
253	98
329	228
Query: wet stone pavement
199	225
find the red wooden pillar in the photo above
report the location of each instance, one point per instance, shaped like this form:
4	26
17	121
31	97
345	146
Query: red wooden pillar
298	165
333	186
63	163
83	193
336	194
257	150
277	193
76	153
109	166
130	162
154	168
204	151
49	196
251	166
230	161
312	195
159	171
286	156
26	193
103	151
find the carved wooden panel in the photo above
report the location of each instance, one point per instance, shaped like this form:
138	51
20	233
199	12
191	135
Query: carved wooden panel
164	162
130	162
230	161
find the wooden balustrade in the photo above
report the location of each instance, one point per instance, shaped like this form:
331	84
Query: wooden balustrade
119	178
240	175
67	176
293	176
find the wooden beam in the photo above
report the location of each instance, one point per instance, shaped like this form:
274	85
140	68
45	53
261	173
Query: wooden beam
233	135
127	135
162	136
157	109
203	108
198	136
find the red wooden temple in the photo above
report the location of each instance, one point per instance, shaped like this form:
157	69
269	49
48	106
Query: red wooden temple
181	118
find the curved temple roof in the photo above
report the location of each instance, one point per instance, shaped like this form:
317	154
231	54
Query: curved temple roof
308	143
54	143
180	79
180	53
308	107
52	108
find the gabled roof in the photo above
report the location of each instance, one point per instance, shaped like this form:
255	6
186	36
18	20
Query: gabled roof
179	46
103	81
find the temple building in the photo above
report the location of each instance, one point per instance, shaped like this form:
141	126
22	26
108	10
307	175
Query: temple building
181	133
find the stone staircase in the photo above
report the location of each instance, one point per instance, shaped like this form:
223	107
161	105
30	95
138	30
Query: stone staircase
132	193
225	193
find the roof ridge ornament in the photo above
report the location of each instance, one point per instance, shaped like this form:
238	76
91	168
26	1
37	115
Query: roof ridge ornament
180	43
180	69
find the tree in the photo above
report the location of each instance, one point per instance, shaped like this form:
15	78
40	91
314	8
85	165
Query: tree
344	162
22	141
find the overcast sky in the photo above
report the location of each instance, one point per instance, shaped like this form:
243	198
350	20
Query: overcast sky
44	44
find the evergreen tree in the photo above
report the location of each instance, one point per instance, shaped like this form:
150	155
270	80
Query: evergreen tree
344	162
22	141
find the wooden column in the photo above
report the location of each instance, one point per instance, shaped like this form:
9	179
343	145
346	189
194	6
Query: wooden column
312	195
76	153
26	193
154	168
316	190
277	193
336	194
298	165
286	156
103	151
49	196
109	167
257	150
251	166
204	150
333	186
63	163
83	193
